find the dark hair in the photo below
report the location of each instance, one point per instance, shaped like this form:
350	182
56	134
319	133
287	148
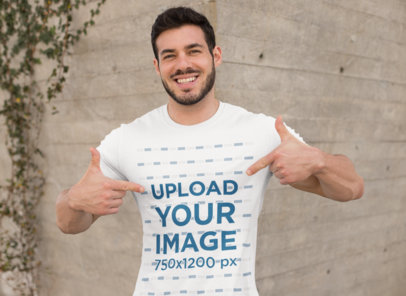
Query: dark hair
178	16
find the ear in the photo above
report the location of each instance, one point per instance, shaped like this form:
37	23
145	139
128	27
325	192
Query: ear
217	55
156	65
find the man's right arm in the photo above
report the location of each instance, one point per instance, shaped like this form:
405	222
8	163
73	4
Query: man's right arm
93	196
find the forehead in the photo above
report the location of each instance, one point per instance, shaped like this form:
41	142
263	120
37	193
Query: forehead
178	38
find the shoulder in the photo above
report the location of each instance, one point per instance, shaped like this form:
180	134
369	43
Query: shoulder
254	122
242	115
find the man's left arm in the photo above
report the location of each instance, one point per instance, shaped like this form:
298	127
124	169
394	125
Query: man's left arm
310	169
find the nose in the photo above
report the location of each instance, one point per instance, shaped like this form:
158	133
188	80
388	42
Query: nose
183	62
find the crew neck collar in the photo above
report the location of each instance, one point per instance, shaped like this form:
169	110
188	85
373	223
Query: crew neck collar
210	121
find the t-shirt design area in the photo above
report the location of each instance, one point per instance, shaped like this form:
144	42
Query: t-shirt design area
200	210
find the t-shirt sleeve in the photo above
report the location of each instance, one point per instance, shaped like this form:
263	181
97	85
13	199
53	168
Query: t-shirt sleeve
295	134
109	155
270	121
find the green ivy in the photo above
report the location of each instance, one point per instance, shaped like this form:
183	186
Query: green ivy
31	31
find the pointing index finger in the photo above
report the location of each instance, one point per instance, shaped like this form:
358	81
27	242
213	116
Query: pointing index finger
128	186
260	164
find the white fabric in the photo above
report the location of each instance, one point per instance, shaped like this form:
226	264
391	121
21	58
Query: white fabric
200	209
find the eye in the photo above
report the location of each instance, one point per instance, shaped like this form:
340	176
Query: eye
195	51
168	56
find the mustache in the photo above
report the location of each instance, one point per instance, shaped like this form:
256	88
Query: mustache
183	72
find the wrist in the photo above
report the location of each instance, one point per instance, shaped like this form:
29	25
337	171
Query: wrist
72	200
320	162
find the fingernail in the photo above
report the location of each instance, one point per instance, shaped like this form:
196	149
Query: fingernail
249	172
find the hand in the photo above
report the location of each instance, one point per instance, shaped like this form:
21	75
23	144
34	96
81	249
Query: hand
97	194
292	161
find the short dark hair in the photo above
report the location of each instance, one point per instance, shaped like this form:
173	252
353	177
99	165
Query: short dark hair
178	16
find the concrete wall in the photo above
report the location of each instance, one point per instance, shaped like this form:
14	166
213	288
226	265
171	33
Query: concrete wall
336	71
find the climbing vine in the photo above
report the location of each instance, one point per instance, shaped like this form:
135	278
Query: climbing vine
33	34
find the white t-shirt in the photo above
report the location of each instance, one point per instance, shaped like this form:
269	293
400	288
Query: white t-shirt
200	209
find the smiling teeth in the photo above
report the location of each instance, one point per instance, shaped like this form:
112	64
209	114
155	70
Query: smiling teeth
186	80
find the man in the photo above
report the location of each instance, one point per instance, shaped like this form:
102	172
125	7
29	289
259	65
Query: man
196	169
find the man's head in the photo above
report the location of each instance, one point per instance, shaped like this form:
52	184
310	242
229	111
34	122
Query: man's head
180	16
185	55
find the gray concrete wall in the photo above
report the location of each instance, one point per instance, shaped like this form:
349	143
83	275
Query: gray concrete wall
336	71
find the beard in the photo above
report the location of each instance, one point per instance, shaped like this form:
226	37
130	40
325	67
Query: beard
188	98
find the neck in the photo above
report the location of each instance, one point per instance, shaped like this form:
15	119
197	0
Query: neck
193	114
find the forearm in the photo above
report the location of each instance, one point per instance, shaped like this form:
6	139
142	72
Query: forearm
70	220
338	179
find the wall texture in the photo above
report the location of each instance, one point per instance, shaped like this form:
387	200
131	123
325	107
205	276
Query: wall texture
336	71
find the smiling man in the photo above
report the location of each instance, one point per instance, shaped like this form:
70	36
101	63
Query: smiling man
196	168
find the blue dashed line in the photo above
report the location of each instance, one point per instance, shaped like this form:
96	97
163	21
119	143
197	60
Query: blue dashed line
237	290
160	278
166	176
199	147
182	176
228	275
209	276
147	221
209	160
218	290
248	157
192	276
246	274
228	159
148	250
140	164
167	293
246	245
246	215
157	163
238	144
200	292
183	291
238	173
173	162
164	148
238	201
181	148
190	161
145	279
144	193
147	149
248	186
150	177
200	174
219	173
175	278
218	146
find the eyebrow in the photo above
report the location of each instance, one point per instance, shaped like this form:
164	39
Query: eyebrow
190	46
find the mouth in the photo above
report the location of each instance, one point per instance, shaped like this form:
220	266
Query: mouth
186	83
186	80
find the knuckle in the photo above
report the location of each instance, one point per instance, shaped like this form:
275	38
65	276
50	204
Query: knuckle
106	185
105	195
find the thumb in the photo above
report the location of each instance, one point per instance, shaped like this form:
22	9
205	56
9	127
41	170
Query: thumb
95	162
281	129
